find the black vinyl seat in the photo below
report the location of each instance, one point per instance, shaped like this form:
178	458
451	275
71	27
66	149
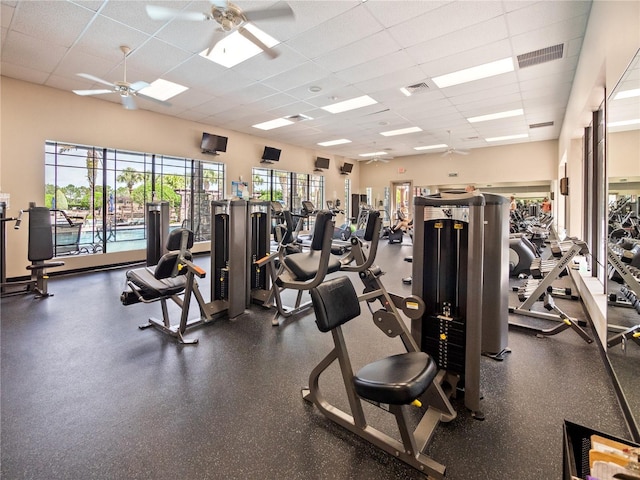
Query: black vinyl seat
398	379
304	265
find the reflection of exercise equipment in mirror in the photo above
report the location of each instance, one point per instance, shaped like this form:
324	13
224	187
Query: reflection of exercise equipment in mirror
623	270
40	251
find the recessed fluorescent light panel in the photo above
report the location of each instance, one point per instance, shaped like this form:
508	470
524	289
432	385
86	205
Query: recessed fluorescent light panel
496	116
627	94
372	154
507	137
401	131
475	73
163	90
234	48
271	124
331	143
624	123
431	147
345	106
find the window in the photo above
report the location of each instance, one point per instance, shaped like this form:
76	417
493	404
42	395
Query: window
104	191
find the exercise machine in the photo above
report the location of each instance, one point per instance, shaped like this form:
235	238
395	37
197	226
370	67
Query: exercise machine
40	252
394	383
536	289
447	267
259	239
300	271
172	278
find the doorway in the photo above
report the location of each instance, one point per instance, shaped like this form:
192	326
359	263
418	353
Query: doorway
401	199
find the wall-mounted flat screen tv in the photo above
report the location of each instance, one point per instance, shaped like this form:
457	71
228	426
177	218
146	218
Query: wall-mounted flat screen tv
213	143
347	168
322	162
271	154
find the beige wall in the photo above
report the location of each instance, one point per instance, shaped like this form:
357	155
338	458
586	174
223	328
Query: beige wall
524	162
623	154
32	114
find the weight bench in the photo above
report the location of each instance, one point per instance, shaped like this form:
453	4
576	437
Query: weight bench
174	275
392	383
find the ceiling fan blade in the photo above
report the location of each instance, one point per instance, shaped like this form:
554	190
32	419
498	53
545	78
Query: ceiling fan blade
252	38
138	86
91	92
370	161
283	11
215	38
128	102
383	160
461	152
147	97
164	13
95	79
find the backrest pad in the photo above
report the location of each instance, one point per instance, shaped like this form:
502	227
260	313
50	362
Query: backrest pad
335	302
371	225
175	238
323	217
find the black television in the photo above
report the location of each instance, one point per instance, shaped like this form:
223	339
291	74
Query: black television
346	168
322	162
271	154
213	143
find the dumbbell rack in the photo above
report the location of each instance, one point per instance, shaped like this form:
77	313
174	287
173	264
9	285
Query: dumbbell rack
535	290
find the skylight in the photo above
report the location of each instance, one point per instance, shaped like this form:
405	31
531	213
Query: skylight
627	94
351	104
475	73
331	143
234	48
624	123
496	116
271	124
401	131
431	147
507	137
163	89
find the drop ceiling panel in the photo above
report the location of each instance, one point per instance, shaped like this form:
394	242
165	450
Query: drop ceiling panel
301	74
338	32
262	67
104	37
539	15
390	13
488	32
57	23
6	15
449	18
394	62
31	53
553	34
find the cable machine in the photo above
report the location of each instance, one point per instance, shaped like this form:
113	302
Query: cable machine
448	247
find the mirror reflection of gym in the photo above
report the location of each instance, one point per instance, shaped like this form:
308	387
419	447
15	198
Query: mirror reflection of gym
623	280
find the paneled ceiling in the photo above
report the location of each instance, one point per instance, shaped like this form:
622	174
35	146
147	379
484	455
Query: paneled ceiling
345	48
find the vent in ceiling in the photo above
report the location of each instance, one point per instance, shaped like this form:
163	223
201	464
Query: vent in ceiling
541	56
539	125
416	88
298	118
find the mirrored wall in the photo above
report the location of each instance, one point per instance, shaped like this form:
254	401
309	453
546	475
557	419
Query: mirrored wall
623	281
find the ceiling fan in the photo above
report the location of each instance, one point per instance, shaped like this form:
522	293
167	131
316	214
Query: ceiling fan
229	18
377	158
451	149
126	90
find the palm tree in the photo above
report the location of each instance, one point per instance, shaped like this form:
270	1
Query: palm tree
130	176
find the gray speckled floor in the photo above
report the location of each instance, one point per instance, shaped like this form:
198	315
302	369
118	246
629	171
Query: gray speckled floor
85	394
